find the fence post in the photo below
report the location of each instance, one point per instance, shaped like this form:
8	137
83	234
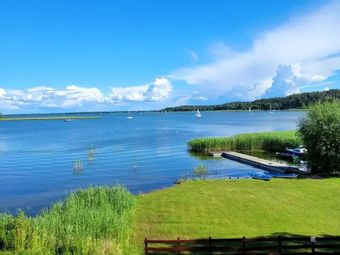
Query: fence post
146	246
244	245
179	244
210	246
313	241
280	244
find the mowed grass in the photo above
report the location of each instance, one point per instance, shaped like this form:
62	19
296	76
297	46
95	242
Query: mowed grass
236	208
262	141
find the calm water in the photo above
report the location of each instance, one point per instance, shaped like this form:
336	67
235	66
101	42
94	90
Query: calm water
37	158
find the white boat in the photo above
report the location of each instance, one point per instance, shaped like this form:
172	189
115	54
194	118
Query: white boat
249	109
129	116
198	114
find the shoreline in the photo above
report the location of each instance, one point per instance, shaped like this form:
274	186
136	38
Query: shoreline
50	118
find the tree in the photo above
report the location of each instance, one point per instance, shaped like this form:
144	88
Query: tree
320	131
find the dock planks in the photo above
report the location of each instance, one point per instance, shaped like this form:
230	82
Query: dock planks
260	163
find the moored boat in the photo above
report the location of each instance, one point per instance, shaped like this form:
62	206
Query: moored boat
297	151
260	176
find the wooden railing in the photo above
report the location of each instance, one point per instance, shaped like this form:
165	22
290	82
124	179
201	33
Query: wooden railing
241	246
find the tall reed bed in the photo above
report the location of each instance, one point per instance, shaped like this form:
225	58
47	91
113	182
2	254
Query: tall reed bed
92	221
263	141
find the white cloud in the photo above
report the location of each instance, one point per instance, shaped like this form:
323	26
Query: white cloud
132	94
74	97
312	40
159	90
288	79
200	98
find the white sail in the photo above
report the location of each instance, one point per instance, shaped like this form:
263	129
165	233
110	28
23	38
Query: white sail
198	114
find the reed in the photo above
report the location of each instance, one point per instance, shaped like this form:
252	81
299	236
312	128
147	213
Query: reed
263	141
92	221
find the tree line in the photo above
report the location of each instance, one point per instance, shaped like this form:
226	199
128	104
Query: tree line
295	101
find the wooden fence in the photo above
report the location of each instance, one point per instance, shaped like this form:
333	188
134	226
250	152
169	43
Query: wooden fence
241	246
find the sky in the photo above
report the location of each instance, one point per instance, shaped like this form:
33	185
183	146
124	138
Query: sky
82	55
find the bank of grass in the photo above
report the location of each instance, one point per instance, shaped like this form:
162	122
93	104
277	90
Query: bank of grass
92	221
263	141
49	118
236	208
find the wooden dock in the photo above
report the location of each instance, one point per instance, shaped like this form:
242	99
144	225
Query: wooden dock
260	163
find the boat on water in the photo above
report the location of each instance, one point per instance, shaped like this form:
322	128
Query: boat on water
285	176
260	176
67	120
301	151
130	117
198	114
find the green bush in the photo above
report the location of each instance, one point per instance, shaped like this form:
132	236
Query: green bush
92	221
320	131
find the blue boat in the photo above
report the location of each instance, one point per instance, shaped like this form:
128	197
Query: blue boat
286	176
260	176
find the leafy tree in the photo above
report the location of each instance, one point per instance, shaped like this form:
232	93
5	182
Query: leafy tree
320	131
296	101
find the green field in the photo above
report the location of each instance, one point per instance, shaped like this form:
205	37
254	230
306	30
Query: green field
262	141
236	208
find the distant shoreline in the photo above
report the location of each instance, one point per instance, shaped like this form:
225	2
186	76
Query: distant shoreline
50	118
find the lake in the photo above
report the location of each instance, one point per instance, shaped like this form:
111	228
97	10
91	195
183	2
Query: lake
41	161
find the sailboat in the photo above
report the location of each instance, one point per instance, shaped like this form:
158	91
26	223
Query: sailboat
198	114
249	109
129	116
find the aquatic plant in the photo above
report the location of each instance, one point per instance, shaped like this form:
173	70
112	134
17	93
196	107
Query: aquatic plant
77	166
91	153
200	171
92	221
262	141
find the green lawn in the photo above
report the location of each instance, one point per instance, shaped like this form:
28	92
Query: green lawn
235	208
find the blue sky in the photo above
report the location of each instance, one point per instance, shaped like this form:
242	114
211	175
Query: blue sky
64	55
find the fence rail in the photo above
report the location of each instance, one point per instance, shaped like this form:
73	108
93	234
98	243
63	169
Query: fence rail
242	246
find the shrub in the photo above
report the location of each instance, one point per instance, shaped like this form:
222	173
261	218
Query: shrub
320	131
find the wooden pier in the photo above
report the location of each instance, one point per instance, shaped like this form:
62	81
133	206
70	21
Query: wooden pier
260	163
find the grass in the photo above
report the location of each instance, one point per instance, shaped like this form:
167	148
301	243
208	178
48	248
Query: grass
92	221
49	118
108	220
262	141
236	208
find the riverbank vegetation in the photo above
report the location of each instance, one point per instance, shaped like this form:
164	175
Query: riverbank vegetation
92	221
49	118
236	208
320	131
296	101
112	221
262	141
